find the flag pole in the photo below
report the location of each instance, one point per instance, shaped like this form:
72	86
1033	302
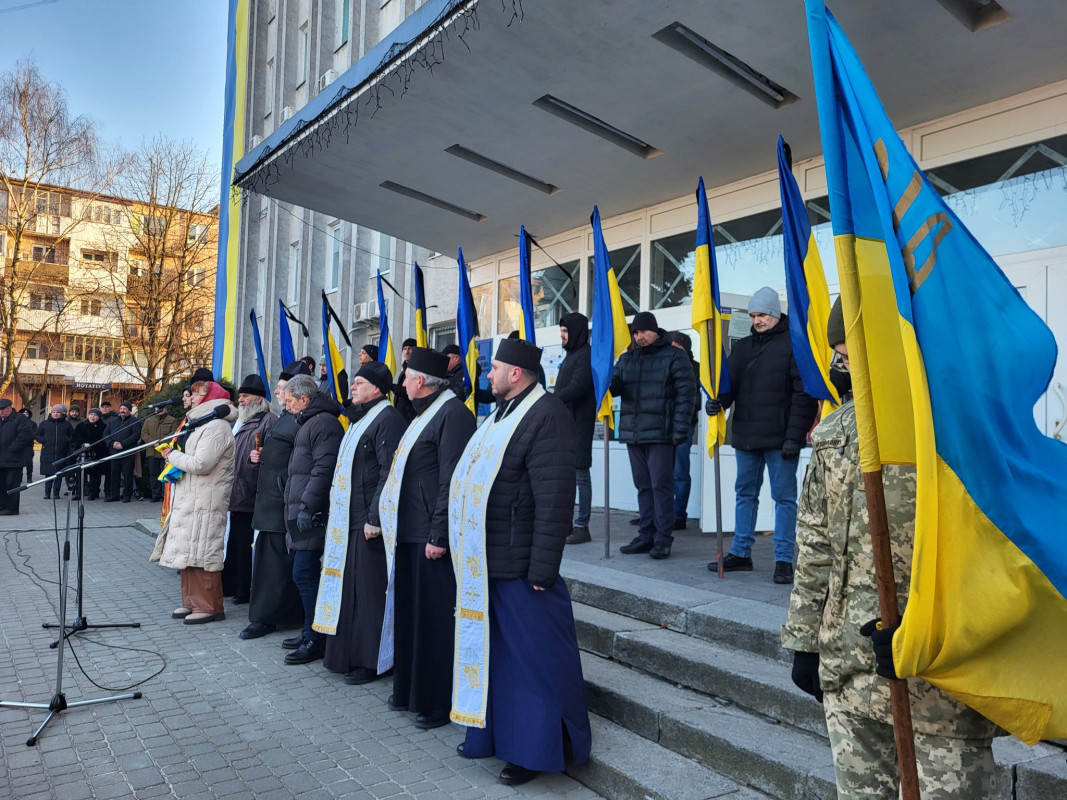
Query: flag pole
607	493
903	731
718	513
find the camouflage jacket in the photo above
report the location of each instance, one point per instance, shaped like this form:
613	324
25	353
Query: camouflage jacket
835	592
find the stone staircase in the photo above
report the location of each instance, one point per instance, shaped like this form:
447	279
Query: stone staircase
690	698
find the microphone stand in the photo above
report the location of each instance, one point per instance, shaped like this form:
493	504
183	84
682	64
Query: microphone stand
58	702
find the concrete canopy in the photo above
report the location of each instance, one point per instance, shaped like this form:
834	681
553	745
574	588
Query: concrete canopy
610	60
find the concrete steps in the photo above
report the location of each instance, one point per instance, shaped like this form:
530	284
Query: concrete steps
702	676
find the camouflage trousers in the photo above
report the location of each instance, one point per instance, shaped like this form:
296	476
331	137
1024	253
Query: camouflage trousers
865	760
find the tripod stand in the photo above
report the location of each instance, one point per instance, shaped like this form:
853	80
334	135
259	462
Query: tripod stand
81	622
58	703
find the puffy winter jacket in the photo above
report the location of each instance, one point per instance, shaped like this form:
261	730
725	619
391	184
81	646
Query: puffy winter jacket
57	438
311	468
269	514
658	392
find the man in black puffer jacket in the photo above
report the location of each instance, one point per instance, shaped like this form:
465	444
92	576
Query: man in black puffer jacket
655	382
770	424
574	386
536	703
307	498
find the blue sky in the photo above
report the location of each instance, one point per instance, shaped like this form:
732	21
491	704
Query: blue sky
138	68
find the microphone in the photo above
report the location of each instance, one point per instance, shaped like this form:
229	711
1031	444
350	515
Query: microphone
165	403
220	412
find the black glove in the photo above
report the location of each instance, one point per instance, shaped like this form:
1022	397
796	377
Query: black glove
713	407
882	643
790	449
306	521
806	674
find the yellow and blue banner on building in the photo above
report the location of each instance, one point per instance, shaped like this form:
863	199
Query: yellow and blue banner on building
947	363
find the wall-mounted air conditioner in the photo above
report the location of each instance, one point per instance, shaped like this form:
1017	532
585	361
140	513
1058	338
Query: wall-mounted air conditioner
287	111
326	78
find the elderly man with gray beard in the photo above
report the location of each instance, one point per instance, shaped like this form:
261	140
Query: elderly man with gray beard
254	421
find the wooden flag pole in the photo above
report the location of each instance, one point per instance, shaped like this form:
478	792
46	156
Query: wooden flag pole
607	493
903	731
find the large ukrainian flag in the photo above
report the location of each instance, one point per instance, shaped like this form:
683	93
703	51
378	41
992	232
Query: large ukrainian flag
285	336
334	362
526	305
610	334
467	330
805	283
386	354
422	338
707	320
930	315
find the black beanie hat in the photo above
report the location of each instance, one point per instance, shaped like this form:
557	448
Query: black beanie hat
202	374
371	350
252	384
294	369
644	321
377	373
409	343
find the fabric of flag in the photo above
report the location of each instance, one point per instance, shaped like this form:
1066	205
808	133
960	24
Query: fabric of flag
334	362
526	305
422	338
261	363
707	320
930	318
285	336
805	284
467	329
386	354
610	335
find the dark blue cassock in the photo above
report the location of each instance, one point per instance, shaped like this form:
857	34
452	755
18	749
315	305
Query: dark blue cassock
536	714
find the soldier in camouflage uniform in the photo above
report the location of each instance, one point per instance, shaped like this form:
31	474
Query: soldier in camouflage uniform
834	595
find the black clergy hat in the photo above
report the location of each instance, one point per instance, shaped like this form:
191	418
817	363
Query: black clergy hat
428	362
294	369
518	353
253	384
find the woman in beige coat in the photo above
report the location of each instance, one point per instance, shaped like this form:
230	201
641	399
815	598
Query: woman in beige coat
193	534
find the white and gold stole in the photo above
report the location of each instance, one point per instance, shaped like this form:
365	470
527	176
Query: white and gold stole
388	510
331	583
468	499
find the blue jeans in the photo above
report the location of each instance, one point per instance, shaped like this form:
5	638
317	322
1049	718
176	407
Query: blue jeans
683	483
783	474
585	498
307	566
651	465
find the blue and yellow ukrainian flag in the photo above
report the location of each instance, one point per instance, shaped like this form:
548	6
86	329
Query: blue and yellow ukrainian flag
467	329
929	313
386	354
707	320
526	305
809	297
334	362
261	363
285	336
422	338
610	334
233	139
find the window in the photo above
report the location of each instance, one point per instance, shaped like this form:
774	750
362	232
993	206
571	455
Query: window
626	261
442	335
195	277
95	349
116	217
343	9
55	226
333	269
268	104
91	307
197	234
673	263
303	67
138	269
97	258
385	253
555	293
46	300
43	255
153	226
35	350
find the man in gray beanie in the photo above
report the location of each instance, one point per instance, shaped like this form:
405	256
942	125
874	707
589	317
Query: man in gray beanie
771	419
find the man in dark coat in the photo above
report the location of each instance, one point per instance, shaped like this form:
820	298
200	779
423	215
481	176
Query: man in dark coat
414	516
56	437
254	421
574	387
107	415
75	417
123	433
274	598
29	453
400	394
535	715
307	498
16	438
93	432
325	380
683	481
455	371
154	428
770	424
655	382
365	456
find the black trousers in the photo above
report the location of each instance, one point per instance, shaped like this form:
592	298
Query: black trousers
237	569
155	466
10	477
122	478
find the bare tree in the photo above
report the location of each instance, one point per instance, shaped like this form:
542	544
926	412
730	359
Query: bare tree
167	287
44	152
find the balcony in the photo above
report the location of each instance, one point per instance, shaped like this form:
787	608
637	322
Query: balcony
51	268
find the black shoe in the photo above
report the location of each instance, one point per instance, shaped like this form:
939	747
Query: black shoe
514	775
293	642
660	550
680	523
125	499
579	535
635	521
430	721
637	545
392	705
306	653
240	601
256	630
7	512
48	496
783	572
361	675
732	563
463	753
111	499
